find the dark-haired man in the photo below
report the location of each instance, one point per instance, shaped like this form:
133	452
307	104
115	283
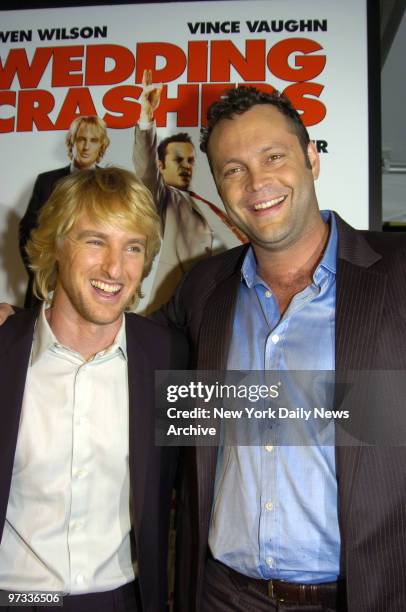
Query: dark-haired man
176	160
290	527
167	170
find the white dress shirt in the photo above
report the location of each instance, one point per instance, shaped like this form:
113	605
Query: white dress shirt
68	517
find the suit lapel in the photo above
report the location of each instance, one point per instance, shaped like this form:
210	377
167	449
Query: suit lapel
14	361
214	339
216	327
360	299
140	400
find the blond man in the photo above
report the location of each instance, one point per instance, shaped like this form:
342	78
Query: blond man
86	143
85	494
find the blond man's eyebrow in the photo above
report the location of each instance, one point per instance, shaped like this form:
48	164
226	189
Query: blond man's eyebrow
105	236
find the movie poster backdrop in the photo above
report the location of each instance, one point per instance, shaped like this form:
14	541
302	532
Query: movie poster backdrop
61	63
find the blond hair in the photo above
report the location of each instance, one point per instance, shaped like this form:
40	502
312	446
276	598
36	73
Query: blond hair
88	120
108	195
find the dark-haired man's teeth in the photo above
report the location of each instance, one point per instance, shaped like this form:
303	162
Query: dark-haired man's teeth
105	286
269	203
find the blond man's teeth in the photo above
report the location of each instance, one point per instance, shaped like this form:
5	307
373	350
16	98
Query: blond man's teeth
105	286
269	203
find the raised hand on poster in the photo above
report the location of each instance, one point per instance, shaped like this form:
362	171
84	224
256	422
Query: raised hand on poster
150	98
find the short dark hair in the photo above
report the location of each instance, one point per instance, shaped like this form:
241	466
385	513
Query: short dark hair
238	100
180	137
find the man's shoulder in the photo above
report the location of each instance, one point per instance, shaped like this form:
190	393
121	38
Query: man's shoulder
368	247
218	267
385	241
19	326
216	273
50	175
137	323
155	336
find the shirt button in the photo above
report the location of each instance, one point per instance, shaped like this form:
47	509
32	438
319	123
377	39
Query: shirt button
269	448
77	525
268	294
269	561
80	473
80	579
275	338
269	505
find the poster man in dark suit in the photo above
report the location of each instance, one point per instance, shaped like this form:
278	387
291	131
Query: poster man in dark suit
276	527
85	494
86	143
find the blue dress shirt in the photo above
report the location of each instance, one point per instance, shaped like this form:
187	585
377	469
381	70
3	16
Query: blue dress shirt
275	507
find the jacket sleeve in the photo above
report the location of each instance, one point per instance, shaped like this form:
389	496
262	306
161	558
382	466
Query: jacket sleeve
146	167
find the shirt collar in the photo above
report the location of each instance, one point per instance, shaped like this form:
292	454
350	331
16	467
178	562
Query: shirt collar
328	263
44	339
249	268
329	259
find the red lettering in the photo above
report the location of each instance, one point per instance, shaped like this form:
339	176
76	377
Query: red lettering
224	54
33	109
96	72
7	98
17	64
262	87
65	62
147	54
307	67
314	111
185	105
78	102
210	94
122	100
197	61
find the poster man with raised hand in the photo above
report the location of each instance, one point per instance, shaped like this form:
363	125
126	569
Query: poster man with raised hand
167	170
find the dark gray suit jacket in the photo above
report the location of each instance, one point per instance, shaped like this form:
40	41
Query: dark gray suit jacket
43	187
370	335
150	347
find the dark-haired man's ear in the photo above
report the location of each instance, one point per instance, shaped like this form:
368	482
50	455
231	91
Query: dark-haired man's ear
314	159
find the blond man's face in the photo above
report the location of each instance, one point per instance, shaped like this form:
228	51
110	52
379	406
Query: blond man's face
87	146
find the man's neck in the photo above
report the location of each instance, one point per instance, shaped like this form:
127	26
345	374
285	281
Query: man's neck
288	271
84	337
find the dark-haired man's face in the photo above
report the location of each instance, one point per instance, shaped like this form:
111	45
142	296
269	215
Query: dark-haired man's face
262	177
177	169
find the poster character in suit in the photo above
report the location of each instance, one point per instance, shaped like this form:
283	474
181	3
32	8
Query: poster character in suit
167	170
86	143
85	493
293	527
